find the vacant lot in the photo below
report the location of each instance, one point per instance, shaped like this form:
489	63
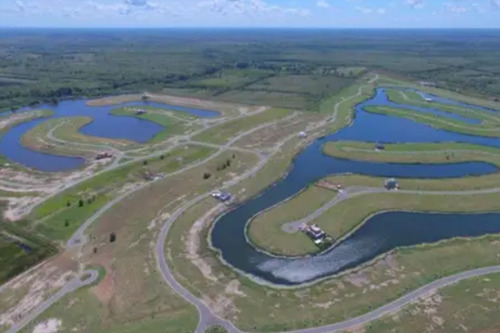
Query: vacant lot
226	131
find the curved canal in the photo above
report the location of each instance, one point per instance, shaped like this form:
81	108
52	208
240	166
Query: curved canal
380	233
104	125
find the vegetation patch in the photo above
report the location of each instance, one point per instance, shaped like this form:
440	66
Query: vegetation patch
59	217
224	132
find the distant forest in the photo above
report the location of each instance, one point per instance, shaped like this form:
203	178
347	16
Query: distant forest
290	68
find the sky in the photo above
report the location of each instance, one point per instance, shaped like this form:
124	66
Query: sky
251	13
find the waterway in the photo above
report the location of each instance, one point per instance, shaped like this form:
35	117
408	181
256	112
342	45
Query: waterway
104	125
379	234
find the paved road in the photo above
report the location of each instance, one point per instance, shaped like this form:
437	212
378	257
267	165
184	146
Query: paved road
207	317
400	302
68	288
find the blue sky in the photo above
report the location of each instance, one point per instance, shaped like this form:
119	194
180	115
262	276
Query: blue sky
252	13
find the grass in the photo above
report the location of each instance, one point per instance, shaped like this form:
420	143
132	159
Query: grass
425	153
13	258
437	121
398	96
337	298
468	304
348	215
82	310
57	220
264	229
454	95
224	132
216	329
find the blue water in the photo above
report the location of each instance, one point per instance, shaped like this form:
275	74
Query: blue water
103	125
391	230
382	99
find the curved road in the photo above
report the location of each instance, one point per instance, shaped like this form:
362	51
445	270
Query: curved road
68	288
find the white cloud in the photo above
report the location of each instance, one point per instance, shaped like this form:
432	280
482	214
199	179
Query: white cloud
248	8
322	4
20	6
415	3
455	8
368	10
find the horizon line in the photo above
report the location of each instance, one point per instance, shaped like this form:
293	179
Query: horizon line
246	28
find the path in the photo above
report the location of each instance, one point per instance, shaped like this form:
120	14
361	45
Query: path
68	288
400	303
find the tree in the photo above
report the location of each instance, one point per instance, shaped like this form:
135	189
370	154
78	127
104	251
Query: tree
145	162
66	223
95	250
68	204
162	157
80	203
112	237
207	175
145	98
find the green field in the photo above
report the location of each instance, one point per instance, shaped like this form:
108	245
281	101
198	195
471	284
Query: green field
59	217
19	251
223	133
468	304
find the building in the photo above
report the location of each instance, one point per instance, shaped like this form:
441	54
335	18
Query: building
303	134
428	99
140	111
391	184
379	146
315	233
102	155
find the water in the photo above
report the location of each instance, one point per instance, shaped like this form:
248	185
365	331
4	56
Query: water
382	232
382	99
104	125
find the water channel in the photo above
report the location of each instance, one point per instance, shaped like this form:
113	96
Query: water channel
104	125
380	233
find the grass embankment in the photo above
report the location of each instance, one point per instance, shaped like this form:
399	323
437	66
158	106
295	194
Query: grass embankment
411	98
330	301
19	251
473	100
349	214
173	122
419	153
444	311
300	206
224	132
448	124
133	297
59	217
67	130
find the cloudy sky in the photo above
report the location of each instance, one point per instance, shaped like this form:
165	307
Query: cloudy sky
251	13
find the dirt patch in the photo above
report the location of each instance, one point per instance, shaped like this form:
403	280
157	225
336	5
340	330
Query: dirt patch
49	326
38	284
193	242
233	288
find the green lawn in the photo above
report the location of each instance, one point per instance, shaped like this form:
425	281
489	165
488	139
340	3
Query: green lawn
265	228
436	121
468	304
397	96
59	217
13	258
